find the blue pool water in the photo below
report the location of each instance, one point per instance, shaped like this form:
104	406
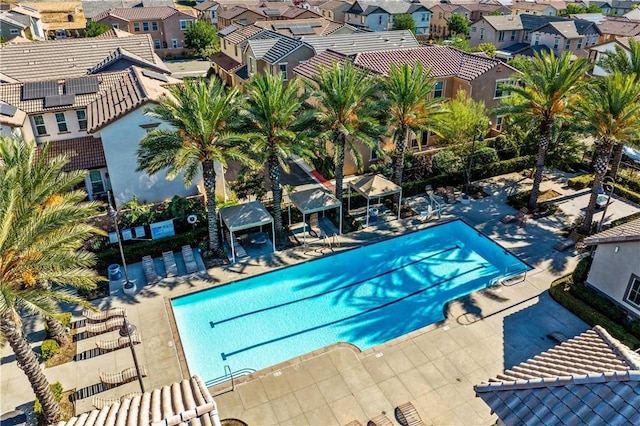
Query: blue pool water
365	296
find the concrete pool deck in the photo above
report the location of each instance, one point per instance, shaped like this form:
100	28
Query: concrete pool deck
435	367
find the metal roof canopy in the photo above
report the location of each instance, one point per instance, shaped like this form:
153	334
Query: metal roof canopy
312	201
375	186
245	216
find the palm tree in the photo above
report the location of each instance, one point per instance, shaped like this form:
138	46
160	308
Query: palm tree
273	114
42	230
625	63
203	115
408	97
543	95
611	113
346	112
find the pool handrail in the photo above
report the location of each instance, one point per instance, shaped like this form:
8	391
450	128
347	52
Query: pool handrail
229	375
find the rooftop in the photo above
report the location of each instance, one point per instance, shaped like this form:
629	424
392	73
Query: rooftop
302	27
349	44
629	231
140	13
84	153
270	46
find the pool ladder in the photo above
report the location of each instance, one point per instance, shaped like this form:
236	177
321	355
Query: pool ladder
330	242
229	376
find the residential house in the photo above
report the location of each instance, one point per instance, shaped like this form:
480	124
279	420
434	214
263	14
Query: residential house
633	15
266	11
208	11
621	7
519	7
478	10
61	19
590	379
378	15
334	10
573	36
612	28
298	28
440	16
11	28
95	7
166	25
349	44
275	54
617	249
29	18
477	75
599	51
501	31
229	63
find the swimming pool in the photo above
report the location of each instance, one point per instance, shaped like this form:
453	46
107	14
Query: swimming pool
365	296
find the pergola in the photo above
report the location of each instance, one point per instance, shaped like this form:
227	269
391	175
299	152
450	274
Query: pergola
315	200
245	216
374	186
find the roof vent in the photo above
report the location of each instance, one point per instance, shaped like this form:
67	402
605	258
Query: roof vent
386	39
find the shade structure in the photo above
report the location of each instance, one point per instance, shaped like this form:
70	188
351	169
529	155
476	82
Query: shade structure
375	186
315	200
245	216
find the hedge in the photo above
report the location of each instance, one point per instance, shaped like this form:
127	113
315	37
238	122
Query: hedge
585	181
580	182
631	182
49	348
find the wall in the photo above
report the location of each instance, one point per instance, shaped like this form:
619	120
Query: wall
5	30
172	31
422	27
624	263
53	134
483	88
303	53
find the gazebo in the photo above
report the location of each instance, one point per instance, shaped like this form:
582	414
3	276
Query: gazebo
374	186
315	200
245	216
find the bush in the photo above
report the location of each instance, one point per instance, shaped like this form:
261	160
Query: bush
49	348
57	390
448	162
627	193
485	155
629	178
135	214
580	182
582	270
585	181
505	148
64	318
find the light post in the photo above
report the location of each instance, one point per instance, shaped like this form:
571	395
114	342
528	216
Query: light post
127	330
129	287
477	136
608	182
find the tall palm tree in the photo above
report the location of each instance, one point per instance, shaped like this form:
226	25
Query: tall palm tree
625	63
42	230
346	112
408	100
273	113
543	94
611	113
204	118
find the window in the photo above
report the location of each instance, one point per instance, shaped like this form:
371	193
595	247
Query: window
82	119
283	71
379	19
41	129
145	26
224	44
423	18
499	122
156	44
136	27
115	26
501	90
481	33
97	186
154	26
567	45
62	122
235	49
474	29
14	31
526	35
513	35
186	23
594	39
362	19
537	41
556	43
633	291
252	64
501	36
579	43
437	89
174	43
440	15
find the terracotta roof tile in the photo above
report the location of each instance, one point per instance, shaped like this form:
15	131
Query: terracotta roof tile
241	35
629	231
326	59
226	62
140	13
84	153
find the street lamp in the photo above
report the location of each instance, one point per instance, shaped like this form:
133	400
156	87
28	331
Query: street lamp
477	136
127	330
608	183
129	287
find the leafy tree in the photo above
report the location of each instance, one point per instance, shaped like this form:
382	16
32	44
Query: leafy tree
488	48
346	113
521	63
496	13
273	115
610	112
94	29
408	102
572	9
249	184
593	8
42	232
204	119
459	42
458	24
404	21
543	97
201	37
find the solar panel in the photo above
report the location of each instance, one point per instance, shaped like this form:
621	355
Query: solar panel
82	85
39	89
272	12
226	31
302	30
155	75
8	110
59	100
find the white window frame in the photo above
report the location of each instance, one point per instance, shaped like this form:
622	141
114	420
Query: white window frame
154	26
157	44
440	90
136	27
567	44
61	121
283	72
14	31
556	43
252	64
514	35
481	33
41	127
526	35
145	27
185	23
632	295
81	115
115	26
499	122
537	40
501	35
503	92
91	181
424	17
579	46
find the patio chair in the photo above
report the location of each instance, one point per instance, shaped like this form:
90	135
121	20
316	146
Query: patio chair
407	415
381	420
149	268
170	264
189	260
125	376
101	316
115	344
568	242
508	218
105	326
100	403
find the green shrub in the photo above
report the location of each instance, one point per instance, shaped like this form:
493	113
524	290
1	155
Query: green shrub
57	390
580	182
502	167
582	270
629	178
448	162
64	318
627	193
49	348
485	155
621	189
505	148
135	214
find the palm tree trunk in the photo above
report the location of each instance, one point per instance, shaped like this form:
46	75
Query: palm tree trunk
56	331
209	179
401	146
274	175
339	163
602	156
11	328
616	159
543	144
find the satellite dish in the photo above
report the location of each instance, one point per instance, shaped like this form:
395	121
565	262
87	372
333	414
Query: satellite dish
192	219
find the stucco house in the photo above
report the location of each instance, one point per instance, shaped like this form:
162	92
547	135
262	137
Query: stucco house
241	16
334	9
23	21
519	7
10	28
166	25
275	54
378	15
611	28
599	51
574	36
615	270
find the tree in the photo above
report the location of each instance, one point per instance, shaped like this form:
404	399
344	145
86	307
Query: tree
42	232
273	115
404	21
408	91
201	37
521	63
610	112
458	24
572	9
488	48
543	97
346	113
94	29
204	119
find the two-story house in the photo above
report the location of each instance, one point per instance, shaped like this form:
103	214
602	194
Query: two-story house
600	51
612	28
23	21
266	11
378	15
440	16
519	7
334	9
166	25
275	54
572	36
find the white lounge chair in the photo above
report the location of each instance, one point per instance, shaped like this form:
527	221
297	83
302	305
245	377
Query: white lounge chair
101	316
170	264
149	268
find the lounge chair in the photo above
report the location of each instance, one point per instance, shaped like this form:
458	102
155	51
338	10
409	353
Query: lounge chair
380	420
125	376
170	264
568	242
100	403
119	343
189	260
514	217
101	316
149	268
240	251
407	415
105	326
314	226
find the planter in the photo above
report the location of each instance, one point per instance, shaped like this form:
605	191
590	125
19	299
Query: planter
465	199
129	288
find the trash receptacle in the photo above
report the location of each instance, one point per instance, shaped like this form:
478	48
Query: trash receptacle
114	271
373	214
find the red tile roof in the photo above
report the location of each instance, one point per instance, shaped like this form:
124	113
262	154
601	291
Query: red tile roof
629	231
84	153
140	13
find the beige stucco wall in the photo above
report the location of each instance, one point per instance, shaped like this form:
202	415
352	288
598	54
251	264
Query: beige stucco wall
610	271
53	134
